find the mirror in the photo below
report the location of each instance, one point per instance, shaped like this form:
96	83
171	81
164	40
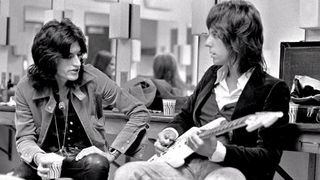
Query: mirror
160	32
159	36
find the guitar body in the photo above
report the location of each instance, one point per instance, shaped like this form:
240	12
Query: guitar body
179	150
177	153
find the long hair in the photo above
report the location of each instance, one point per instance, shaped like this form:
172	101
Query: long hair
165	67
238	25
51	44
102	60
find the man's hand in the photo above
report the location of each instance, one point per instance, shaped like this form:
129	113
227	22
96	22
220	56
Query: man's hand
43	168
94	149
45	160
89	150
205	147
164	140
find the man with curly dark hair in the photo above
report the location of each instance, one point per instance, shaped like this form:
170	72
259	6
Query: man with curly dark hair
59	109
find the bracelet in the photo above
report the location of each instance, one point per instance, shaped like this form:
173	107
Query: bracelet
114	152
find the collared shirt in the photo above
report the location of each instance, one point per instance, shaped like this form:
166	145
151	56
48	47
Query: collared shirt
223	94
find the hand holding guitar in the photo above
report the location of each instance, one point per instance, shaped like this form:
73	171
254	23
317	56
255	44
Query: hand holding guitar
164	140
204	146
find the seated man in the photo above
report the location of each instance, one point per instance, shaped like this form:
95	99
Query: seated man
235	86
59	110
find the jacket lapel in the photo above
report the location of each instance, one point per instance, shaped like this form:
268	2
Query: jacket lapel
79	99
248	103
47	111
203	95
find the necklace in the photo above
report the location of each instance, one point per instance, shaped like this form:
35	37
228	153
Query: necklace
65	111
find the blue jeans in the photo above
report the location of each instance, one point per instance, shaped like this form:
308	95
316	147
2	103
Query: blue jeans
91	167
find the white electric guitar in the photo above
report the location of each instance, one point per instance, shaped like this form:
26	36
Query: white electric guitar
179	150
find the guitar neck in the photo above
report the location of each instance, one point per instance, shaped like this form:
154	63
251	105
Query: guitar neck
225	127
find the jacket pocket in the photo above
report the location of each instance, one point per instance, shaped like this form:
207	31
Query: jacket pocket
99	132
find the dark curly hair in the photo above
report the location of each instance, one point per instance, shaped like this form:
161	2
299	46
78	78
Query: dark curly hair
50	45
238	25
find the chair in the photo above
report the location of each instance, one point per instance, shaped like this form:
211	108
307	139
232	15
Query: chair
8	151
283	173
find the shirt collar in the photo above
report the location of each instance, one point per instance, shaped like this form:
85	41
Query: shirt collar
242	80
221	74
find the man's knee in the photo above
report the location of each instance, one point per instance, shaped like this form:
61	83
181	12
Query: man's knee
126	171
226	173
97	162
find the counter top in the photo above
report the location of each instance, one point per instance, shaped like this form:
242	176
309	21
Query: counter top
155	117
308	138
7	108
7	116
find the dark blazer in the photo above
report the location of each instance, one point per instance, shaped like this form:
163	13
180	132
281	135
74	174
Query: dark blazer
255	154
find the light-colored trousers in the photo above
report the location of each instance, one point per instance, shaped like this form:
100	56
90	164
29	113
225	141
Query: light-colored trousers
197	169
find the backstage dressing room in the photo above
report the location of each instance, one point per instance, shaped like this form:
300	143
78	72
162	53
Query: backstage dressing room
159	89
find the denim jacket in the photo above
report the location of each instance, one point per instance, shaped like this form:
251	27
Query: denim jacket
34	112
